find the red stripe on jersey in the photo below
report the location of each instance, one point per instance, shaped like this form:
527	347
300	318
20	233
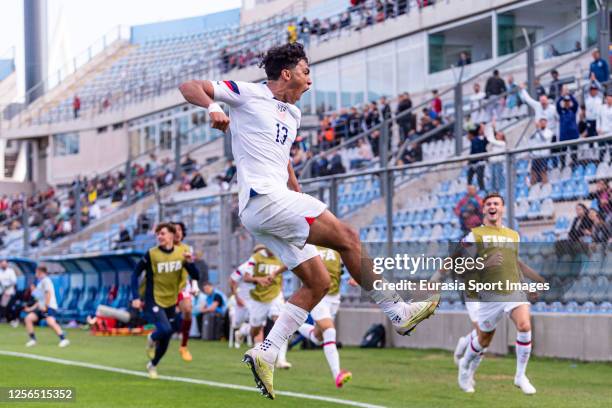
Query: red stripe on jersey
310	220
329	343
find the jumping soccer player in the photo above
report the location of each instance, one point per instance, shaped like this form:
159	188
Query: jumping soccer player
264	125
324	313
44	308
164	268
266	299
185	302
499	246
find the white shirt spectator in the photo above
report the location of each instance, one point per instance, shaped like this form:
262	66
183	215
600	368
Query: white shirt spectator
494	145
604	119
540	138
94	211
477	102
550	113
8	281
46	286
365	151
592	105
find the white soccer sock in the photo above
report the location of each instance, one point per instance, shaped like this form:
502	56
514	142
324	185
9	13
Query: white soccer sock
331	351
472	351
476	361
386	299
523	351
290	319
307	330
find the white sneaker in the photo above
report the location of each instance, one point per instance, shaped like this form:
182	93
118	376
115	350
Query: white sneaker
285	365
238	338
64	343
31	343
152	370
15	324
464	378
409	315
462	344
524	384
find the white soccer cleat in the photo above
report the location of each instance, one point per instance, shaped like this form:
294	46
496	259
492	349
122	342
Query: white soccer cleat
524	384
64	343
30	343
238	338
285	365
409	315
462	344
464	378
15	324
152	370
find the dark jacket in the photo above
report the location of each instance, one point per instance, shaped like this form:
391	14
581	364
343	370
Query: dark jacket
600	69
495	86
568	127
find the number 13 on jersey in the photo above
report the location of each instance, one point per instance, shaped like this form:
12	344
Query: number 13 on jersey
281	133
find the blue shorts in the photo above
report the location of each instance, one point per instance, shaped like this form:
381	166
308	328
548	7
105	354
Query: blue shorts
47	313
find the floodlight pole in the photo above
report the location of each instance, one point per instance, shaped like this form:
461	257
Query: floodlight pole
604	29
458	126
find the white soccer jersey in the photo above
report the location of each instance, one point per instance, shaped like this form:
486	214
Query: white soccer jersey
43	287
263	130
244	288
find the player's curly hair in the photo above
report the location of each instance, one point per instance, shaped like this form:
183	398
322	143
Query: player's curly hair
281	57
183	227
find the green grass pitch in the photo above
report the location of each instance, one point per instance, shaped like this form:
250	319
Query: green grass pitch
388	377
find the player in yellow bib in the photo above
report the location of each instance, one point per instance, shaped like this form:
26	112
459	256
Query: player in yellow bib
190	289
266	299
163	267
498	245
324	313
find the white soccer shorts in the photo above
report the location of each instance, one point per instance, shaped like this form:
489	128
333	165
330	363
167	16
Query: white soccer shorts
260	311
472	307
327	308
490	313
281	221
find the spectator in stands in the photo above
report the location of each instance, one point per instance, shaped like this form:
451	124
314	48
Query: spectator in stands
189	164
478	144
542	109
582	225
407	122
555	85
402	7
539	164
143	224
539	89
335	165
76	106
600	234
364	154
197	181
292	32
476	104
494	88
567	107
412	154
210	305
436	104
124	237
228	175
599	68
464	59
603	198
512	101
592	104
304	32
604	117
496	144
469	209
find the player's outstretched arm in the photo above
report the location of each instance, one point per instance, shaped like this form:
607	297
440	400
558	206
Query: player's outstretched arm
202	93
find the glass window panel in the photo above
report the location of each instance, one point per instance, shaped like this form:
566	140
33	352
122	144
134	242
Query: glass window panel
380	72
352	79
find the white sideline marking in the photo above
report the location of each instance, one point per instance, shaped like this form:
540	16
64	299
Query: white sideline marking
185	379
